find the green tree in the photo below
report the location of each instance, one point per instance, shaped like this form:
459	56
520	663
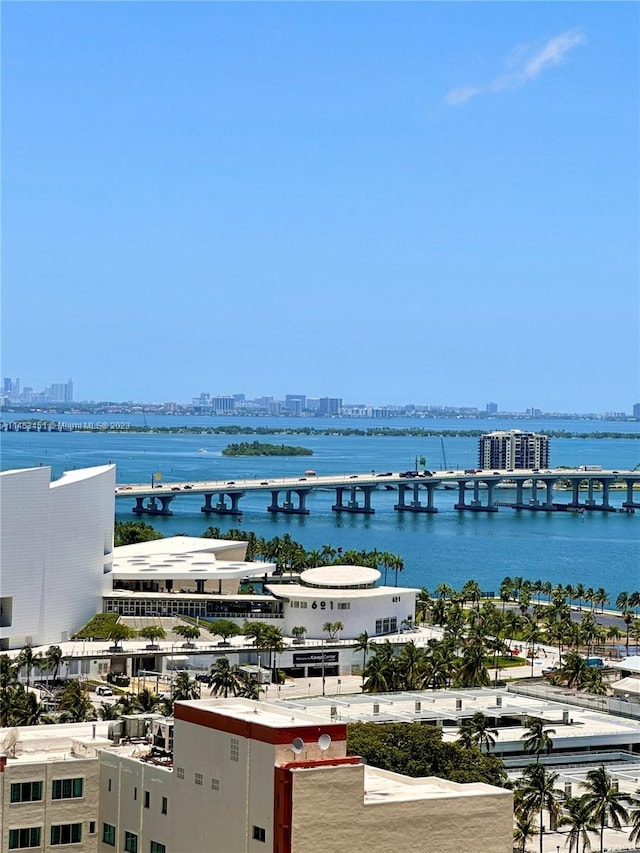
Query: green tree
28	661
537	738
75	705
580	823
537	794
224	628
604	802
364	645
332	629
634	835
119	632
225	679
131	532
54	658
184	688
299	632
525	827
187	632
146	701
153	633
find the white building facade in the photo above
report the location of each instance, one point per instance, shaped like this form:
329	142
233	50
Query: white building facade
56	552
345	594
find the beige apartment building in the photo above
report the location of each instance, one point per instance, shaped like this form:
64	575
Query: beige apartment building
231	776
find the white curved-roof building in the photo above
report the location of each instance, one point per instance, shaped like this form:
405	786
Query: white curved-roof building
56	552
346	594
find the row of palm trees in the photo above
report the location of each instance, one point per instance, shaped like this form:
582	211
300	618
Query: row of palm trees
473	643
526	592
291	556
601	805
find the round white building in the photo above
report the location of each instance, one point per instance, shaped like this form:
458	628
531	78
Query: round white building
346	594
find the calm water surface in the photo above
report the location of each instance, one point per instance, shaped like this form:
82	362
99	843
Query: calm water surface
598	549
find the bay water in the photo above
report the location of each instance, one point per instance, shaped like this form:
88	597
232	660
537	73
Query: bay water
597	549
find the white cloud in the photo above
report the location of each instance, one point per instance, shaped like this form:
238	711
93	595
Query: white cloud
525	63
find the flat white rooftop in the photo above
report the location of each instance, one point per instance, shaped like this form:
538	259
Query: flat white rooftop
264	713
383	786
340	576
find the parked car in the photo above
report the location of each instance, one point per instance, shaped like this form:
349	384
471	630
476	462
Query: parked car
104	691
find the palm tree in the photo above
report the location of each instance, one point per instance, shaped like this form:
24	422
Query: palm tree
604	802
364	645
581	823
538	794
634	835
224	678
524	829
531	634
482	734
75	706
536	737
27	660
184	688
380	671
54	658
423	603
108	711
147	701
332	629
472	670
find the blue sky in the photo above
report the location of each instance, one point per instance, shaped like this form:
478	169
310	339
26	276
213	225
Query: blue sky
386	202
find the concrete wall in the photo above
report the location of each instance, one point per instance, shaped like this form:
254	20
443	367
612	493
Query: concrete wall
56	544
330	814
48	812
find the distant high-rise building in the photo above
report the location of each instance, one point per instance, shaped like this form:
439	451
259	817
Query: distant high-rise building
329	406
513	449
223	405
636	410
295	403
491	408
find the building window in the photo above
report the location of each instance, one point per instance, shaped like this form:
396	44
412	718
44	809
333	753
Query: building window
66	789
235	749
19	839
147	799
259	834
156	847
198	778
66	833
135	793
26	792
215	784
130	842
344	605
165	804
108	834
109	785
92	827
180	772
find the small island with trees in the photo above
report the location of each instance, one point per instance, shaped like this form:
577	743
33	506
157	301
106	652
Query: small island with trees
261	448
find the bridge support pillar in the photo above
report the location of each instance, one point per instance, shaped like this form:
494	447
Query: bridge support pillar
151	507
630	504
415	505
288	506
221	507
476	504
352	505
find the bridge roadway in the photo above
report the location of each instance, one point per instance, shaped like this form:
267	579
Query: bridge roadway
534	490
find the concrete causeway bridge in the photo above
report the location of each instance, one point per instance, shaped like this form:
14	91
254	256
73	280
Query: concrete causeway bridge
588	490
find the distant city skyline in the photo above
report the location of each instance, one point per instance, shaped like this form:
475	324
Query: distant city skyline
383	202
13	393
